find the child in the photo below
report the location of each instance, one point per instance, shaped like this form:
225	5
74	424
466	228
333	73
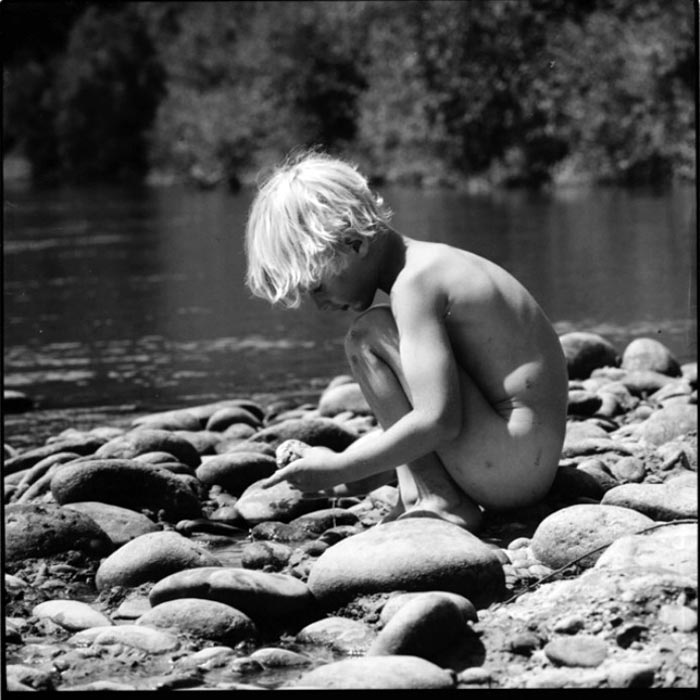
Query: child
462	369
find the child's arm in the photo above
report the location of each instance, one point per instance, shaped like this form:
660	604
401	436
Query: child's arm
431	373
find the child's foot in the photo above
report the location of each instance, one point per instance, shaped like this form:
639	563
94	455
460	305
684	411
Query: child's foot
394	514
464	514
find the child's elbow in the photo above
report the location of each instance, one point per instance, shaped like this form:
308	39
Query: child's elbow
446	427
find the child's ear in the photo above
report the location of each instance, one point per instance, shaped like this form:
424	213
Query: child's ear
359	244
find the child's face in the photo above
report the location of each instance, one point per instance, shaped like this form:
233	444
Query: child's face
348	289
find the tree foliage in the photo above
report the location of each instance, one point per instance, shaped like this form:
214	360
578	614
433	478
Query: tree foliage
437	91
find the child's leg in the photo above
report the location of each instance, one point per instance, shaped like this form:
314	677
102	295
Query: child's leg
425	486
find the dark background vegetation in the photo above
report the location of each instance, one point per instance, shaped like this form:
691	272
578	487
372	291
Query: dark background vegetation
506	92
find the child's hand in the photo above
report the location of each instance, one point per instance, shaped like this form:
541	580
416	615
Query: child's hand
317	470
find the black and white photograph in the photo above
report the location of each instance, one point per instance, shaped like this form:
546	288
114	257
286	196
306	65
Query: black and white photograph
349	345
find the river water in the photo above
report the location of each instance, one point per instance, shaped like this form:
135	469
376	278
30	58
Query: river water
135	296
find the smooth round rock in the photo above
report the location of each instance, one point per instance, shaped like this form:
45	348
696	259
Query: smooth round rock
126	483
465	607
272	657
208	619
585	352
147	639
578	530
142	440
378	672
667	501
260	595
424	626
120	524
235	471
339	633
320	431
343	397
73	615
79	445
412	554
668	423
317	522
41	530
650	354
178	419
281	502
225	417
578	650
151	557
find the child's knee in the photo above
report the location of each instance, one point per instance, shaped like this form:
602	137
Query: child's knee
368	330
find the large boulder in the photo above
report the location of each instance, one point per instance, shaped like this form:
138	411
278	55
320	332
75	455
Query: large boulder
585	352
126	483
411	554
650	354
42	530
580	532
151	557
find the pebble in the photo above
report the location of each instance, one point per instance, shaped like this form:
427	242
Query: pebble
578	650
679	617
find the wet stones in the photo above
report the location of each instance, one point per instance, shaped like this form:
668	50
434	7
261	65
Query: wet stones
146	639
258	594
42	530
280	502
378	672
126	483
412	554
235	471
579	530
339	633
208	619
151	557
73	615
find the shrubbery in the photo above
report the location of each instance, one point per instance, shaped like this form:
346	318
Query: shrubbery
507	91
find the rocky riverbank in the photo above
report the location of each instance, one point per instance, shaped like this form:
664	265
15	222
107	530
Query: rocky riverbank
142	554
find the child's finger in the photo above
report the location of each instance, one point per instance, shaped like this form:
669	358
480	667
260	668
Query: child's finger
276	478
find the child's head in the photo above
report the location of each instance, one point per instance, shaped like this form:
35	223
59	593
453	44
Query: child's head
298	221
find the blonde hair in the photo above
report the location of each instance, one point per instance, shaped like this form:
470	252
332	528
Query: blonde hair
296	224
